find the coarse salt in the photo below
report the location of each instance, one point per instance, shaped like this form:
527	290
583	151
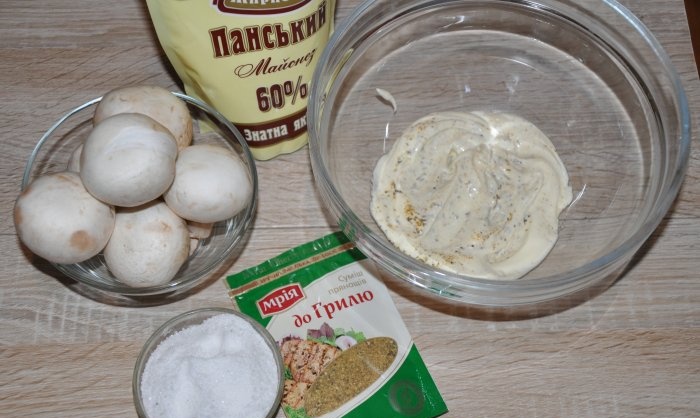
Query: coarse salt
219	368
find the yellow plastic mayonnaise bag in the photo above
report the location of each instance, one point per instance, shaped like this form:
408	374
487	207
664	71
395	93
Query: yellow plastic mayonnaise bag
250	59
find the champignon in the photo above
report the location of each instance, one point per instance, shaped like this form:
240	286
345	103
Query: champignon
211	184
58	220
149	245
199	230
128	159
153	101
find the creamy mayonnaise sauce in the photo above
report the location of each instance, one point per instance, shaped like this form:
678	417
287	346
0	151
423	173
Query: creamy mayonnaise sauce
477	193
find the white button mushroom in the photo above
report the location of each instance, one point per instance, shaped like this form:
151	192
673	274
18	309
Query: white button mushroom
148	246
155	102
57	219
211	184
199	230
128	159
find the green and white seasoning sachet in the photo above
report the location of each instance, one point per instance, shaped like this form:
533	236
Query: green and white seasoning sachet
346	350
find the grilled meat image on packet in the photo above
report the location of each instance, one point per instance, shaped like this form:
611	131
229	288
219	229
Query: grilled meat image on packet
346	350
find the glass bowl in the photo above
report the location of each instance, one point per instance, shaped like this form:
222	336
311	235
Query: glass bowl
197	317
590	76
52	153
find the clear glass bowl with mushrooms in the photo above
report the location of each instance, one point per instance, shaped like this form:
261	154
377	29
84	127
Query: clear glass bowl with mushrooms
139	196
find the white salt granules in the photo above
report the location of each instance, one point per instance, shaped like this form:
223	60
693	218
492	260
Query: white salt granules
221	368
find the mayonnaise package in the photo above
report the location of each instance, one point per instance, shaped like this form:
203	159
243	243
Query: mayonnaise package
346	350
251	60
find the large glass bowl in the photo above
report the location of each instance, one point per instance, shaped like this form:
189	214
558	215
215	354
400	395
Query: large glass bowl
588	74
52	153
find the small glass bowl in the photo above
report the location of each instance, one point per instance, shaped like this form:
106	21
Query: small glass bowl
590	76
52	153
196	317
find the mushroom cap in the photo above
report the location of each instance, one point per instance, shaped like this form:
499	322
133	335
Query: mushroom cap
128	159
153	101
200	230
58	220
211	184
148	246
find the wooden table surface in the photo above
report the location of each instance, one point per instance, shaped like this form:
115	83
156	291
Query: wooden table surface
631	351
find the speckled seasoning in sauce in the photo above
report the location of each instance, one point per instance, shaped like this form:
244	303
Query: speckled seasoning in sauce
475	193
345	347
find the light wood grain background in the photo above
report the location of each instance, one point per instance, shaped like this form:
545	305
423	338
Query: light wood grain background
692	8
631	351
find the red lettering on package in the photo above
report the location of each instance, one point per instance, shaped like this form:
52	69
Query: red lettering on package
280	299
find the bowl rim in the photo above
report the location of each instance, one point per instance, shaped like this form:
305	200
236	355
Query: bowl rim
175	285
479	291
166	328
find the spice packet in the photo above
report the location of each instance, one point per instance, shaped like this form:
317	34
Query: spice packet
346	350
251	60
